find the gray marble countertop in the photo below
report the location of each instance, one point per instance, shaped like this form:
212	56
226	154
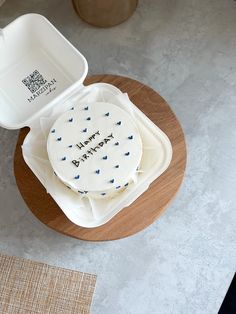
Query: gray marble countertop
184	262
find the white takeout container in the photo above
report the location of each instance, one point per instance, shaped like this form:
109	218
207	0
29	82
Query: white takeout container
31	47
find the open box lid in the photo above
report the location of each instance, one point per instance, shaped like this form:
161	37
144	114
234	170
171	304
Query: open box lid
38	67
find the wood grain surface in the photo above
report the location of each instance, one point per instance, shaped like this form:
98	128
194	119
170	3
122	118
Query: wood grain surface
148	207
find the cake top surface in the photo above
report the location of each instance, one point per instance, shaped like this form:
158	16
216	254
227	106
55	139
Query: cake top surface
94	147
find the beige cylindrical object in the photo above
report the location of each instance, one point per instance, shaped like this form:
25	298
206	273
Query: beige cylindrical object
105	13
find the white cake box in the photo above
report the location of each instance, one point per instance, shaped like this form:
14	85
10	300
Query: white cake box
33	52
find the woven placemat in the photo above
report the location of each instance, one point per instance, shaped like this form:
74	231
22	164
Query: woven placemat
32	287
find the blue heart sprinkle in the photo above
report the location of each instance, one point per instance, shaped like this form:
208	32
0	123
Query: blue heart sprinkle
118	187
88	118
77	177
126	184
117	166
70	146
85	192
59	139
53	131
72	108
112	181
107	114
85	130
117	143
103	193
71	120
130	137
118	123
127	154
104	157
97	171
64	158
86	108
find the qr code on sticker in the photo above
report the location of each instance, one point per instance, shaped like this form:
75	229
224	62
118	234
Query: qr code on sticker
34	81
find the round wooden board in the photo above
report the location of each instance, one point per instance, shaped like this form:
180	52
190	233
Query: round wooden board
148	207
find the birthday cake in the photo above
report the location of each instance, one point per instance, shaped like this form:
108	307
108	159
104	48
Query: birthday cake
95	149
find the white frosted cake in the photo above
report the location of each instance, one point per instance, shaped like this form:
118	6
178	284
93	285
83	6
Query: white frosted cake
95	149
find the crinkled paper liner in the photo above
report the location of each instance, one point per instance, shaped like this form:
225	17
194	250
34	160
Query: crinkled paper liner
86	211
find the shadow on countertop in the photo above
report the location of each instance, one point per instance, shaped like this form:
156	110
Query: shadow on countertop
229	304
